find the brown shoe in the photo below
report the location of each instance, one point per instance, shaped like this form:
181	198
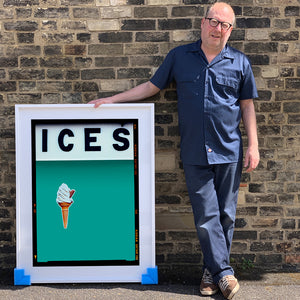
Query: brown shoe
207	286
229	286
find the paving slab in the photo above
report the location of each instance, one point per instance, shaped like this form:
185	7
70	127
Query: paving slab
284	286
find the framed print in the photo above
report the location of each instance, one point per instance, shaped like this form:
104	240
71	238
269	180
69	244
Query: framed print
85	193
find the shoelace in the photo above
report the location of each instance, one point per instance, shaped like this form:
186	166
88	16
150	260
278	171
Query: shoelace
224	282
207	277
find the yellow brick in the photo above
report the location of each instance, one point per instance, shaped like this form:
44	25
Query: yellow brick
269	72
257	35
241	198
116	12
115	85
163	2
165	161
118	2
98	25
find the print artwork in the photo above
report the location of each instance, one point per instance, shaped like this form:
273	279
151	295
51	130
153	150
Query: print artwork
85	193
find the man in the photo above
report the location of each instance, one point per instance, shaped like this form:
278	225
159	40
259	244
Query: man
215	88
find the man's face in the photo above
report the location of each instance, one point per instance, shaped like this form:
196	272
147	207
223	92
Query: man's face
215	38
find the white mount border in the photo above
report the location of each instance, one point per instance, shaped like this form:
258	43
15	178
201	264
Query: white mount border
25	272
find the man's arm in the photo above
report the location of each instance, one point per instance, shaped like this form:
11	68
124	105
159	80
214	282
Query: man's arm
139	92
249	120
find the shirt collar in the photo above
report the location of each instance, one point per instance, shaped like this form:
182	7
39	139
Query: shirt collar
225	53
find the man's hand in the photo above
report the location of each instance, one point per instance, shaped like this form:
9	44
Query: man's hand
100	101
251	159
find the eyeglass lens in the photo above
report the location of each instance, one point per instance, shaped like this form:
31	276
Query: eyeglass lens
215	23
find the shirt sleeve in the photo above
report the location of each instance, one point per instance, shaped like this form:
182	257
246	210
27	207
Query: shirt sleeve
248	89
164	74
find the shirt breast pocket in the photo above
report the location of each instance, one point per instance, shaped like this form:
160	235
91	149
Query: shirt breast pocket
227	86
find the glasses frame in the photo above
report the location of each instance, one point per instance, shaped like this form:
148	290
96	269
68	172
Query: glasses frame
219	22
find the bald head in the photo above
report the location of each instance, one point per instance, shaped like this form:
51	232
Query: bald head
222	6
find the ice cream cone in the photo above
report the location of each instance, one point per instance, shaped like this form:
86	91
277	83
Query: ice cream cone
65	212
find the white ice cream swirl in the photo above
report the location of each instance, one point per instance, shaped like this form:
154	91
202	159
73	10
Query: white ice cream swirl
63	194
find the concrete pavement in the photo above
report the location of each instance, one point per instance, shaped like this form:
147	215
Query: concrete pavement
279	286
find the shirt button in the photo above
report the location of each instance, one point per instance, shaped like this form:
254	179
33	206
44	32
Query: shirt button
209	150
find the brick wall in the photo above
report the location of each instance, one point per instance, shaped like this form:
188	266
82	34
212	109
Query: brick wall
72	51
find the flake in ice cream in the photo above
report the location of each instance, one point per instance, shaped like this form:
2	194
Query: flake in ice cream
64	200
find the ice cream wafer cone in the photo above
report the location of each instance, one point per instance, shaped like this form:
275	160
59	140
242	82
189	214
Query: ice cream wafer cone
65	212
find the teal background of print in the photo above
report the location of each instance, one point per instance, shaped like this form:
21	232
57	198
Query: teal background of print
101	223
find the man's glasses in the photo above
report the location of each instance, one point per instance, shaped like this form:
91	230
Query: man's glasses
214	23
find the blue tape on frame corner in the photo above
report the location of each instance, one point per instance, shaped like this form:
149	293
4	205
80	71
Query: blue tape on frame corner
151	277
20	278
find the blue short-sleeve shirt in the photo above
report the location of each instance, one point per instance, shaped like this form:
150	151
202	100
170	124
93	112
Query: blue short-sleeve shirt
209	96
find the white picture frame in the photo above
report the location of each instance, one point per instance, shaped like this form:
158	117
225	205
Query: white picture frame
27	271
